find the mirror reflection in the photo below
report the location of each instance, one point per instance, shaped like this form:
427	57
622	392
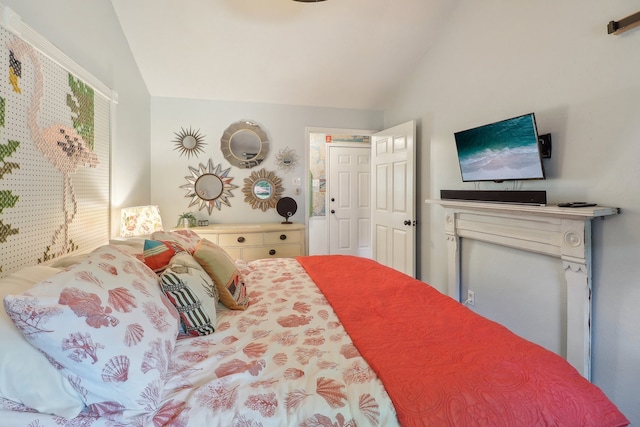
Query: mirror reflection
262	189
189	142
244	144
208	186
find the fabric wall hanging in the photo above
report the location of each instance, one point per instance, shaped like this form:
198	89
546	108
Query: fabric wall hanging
54	159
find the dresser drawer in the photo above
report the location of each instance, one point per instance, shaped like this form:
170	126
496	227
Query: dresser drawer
256	240
209	236
240	239
281	251
278	237
235	253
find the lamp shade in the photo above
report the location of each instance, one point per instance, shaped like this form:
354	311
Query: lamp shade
140	221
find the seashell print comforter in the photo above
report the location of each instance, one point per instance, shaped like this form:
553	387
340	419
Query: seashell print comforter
284	361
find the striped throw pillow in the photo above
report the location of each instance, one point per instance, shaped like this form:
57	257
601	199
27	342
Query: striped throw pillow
194	295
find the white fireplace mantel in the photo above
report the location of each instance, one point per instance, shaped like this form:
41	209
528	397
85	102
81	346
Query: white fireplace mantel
563	233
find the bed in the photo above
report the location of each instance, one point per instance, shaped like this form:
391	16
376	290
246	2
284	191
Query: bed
177	334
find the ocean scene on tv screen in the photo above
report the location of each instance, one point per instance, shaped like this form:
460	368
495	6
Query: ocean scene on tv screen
506	150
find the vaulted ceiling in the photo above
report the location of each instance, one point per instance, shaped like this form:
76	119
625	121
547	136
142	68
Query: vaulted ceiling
334	53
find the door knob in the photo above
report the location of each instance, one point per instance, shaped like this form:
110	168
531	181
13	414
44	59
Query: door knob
407	222
332	211
333	200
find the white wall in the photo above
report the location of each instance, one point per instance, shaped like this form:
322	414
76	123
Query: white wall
89	33
499	59
284	125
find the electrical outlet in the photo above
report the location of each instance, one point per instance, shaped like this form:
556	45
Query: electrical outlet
471	298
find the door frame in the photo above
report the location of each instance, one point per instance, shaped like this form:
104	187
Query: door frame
317	227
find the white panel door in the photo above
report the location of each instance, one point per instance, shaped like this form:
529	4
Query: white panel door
393	197
349	195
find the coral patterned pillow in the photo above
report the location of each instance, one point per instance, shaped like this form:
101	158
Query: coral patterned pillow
158	253
221	268
106	324
186	238
192	292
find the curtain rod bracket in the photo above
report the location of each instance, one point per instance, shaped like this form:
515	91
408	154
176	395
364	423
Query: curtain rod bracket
625	24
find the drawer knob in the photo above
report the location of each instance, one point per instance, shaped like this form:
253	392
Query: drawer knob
283	237
272	251
240	239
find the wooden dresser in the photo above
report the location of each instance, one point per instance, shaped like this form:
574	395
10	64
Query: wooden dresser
256	241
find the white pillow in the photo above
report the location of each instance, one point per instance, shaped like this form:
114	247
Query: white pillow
107	324
26	376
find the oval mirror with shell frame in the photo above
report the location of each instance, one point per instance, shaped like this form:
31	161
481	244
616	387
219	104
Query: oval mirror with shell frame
244	144
262	190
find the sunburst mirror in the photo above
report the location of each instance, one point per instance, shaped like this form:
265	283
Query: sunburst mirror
209	186
287	159
189	142
262	190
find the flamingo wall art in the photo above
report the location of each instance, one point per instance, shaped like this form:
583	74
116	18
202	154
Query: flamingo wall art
47	136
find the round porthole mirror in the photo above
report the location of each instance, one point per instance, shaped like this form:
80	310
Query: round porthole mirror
244	144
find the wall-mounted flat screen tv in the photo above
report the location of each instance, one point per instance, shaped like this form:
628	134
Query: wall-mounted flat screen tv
500	151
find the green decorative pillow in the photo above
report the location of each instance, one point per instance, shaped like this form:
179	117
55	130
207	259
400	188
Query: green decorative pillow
221	268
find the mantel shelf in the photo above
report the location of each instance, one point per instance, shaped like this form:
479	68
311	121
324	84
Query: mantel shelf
563	233
549	210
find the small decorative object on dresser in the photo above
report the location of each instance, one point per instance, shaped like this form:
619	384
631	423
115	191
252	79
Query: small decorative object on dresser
187	220
286	207
256	241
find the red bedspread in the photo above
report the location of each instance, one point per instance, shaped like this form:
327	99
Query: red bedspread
444	365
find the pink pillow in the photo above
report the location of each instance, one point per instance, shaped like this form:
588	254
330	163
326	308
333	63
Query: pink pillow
106	324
